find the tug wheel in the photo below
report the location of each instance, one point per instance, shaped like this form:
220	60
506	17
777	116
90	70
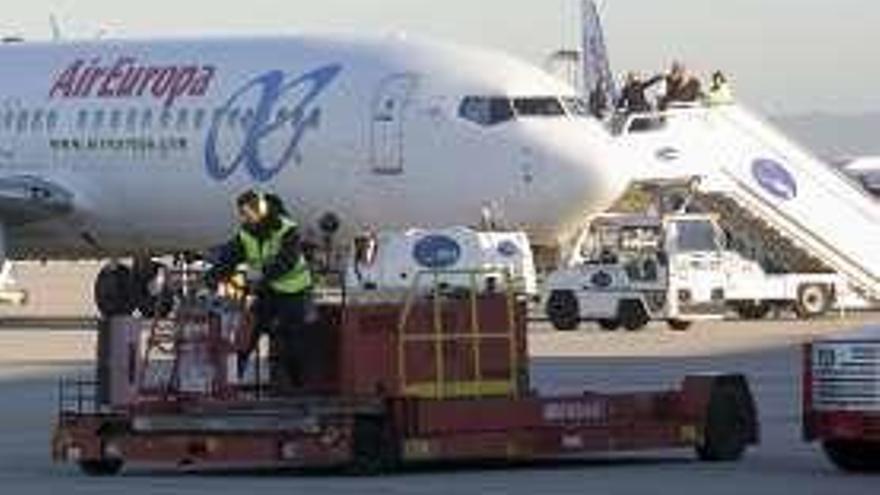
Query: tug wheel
562	310
730	423
101	467
632	315
853	455
115	294
813	300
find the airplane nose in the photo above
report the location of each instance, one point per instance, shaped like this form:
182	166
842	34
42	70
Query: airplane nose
573	170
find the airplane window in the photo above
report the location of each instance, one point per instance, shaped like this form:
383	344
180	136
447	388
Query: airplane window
98	119
147	119
51	120
576	107
484	110
116	119
37	121
21	124
82	119
538	107
131	119
199	118
182	118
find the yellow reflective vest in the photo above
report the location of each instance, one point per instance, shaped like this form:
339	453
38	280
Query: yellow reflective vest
257	253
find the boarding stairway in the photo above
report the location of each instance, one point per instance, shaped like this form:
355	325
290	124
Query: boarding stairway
790	210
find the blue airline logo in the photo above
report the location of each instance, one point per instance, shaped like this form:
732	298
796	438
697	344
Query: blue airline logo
274	93
775	179
436	252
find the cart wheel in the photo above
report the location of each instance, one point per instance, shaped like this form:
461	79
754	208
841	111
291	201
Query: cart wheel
813	300
679	325
609	325
114	291
373	451
853	456
101	467
632	315
562	310
731	421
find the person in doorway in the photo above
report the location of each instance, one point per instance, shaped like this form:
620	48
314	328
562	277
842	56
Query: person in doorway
633	100
681	87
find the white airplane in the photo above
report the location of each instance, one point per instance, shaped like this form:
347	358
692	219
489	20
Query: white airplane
122	148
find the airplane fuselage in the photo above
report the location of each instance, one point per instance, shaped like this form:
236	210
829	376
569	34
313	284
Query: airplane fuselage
151	141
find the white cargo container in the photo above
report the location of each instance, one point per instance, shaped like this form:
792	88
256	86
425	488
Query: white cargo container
391	260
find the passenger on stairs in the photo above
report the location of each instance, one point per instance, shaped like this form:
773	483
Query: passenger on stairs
719	92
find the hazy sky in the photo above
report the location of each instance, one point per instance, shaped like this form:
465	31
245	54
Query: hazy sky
785	56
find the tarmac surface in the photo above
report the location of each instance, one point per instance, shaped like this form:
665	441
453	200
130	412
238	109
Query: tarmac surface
32	359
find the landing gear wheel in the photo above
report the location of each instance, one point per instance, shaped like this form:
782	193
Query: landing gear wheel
632	315
853	455
608	325
730	422
150	303
679	325
102	467
562	310
115	293
813	300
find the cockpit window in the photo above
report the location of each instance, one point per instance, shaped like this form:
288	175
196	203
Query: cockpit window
491	110
485	110
538	107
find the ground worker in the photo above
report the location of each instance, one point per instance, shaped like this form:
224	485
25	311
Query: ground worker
269	247
719	92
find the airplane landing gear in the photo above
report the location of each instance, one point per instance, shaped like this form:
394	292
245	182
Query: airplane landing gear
115	290
120	289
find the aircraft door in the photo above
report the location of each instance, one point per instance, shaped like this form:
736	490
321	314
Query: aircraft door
387	123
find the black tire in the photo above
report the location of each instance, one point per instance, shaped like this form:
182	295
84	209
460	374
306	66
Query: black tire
563	311
373	449
813	301
609	325
115	293
679	325
853	456
102	467
731	422
632	315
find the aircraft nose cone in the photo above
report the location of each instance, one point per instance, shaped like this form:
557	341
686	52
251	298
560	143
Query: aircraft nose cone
579	171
